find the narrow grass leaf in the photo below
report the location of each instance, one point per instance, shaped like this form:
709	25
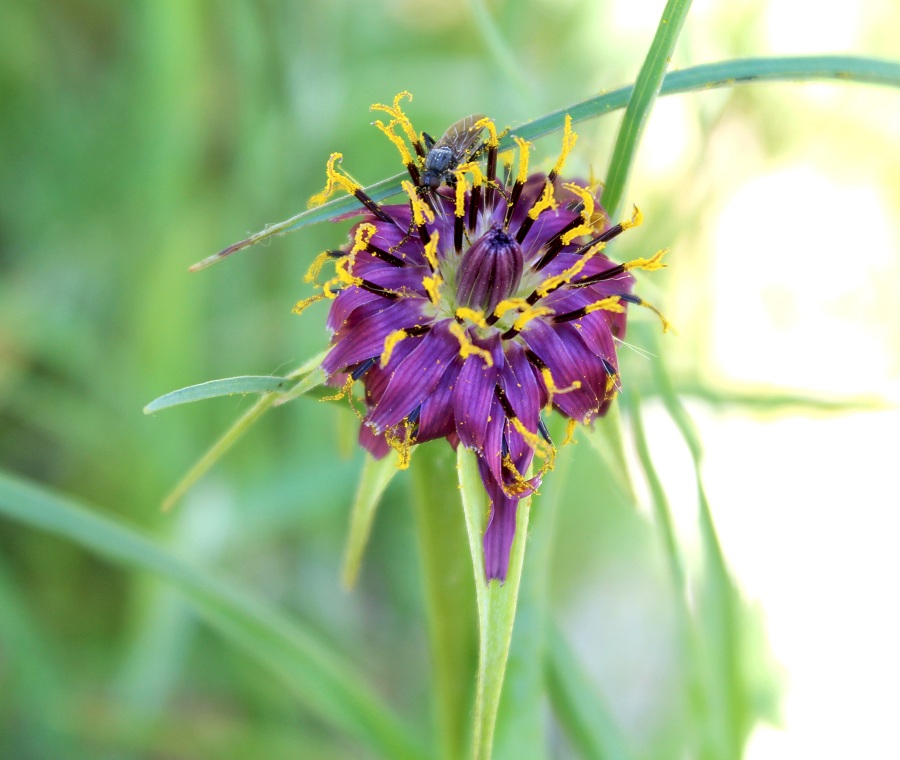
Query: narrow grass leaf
646	89
375	477
704	77
321	678
215	388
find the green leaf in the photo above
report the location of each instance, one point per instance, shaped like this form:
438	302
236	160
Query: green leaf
214	388
305	664
313	379
646	88
375	477
704	77
588	722
496	602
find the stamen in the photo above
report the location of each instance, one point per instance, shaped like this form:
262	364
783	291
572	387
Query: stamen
475	316
335	179
542	429
467	348
520	179
570	432
611	303
459	215
541	204
363	368
533	312
388	130
666	325
396	112
385	256
421	213
564	278
300	306
395	337
313	272
402	445
569	139
432	287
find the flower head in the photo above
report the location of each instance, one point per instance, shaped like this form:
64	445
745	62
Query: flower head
468	309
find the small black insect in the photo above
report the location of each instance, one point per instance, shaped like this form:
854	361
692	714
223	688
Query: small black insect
456	146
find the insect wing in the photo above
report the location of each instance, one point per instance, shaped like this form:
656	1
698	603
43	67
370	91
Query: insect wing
462	136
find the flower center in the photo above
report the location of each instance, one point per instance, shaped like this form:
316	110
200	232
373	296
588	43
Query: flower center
489	271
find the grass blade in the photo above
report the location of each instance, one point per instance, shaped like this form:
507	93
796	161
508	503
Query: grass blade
215	388
375	477
646	89
308	667
704	77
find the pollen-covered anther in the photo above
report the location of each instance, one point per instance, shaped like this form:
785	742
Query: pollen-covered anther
334	179
313	272
300	306
467	348
475	316
587	213
650	265
569	140
432	287
388	130
389	343
489	271
396	112
571	424
420	209
553	389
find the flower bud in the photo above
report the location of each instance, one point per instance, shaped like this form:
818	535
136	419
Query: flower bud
489	271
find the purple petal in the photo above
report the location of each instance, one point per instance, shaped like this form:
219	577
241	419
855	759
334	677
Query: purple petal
366	339
474	394
416	376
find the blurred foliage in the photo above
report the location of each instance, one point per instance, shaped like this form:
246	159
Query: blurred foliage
136	138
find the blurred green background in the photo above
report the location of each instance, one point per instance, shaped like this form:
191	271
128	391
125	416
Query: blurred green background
137	138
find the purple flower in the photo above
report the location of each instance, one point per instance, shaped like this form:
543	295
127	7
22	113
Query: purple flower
467	310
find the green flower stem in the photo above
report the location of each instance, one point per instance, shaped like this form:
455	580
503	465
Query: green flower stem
449	601
646	88
496	603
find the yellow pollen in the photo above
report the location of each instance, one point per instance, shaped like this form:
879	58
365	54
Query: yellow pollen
344	392
523	159
587	213
389	343
420	209
461	187
544	202
570	432
467	348
540	447
611	303
300	306
364	233
316	267
430	252
402	445
666	325
397	114
473	315
636	220
473	168
432	287
333	178
569	139
388	130
509	304
652	264
532	312
552	283
610	386
553	390
493	140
